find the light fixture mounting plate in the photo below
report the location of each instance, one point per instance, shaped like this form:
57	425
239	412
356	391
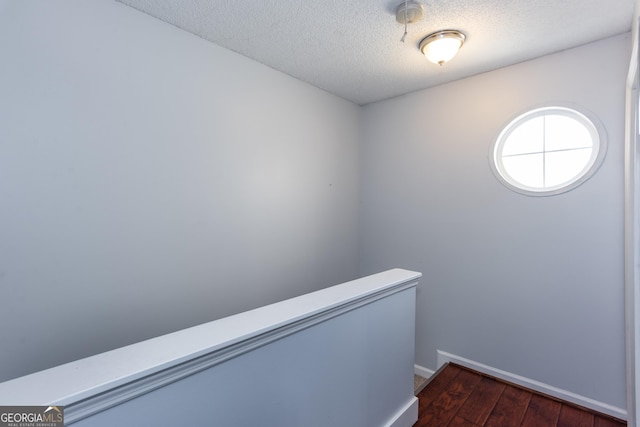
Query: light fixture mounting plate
409	12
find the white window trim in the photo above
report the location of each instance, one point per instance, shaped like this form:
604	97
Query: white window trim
595	127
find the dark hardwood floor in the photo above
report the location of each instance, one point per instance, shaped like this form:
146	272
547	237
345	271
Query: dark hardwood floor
460	397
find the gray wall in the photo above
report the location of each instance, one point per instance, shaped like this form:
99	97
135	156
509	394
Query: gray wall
529	285
150	181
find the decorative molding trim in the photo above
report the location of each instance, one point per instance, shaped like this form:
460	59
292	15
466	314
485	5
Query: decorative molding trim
94	404
632	229
422	371
406	416
605	408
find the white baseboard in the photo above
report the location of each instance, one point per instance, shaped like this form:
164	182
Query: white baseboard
605	408
405	417
422	371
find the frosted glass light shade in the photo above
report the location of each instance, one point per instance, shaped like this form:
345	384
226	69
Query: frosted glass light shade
442	46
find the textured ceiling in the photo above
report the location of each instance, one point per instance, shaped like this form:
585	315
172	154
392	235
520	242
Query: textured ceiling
352	48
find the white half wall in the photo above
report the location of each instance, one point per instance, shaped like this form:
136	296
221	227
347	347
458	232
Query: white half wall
528	285
151	181
340	356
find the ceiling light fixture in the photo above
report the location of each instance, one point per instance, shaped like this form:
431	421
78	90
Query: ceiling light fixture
442	46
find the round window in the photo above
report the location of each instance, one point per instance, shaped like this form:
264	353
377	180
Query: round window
548	151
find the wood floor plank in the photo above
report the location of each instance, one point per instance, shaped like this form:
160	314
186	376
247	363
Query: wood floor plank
482	400
461	422
432	390
574	417
461	397
542	412
606	422
442	410
510	408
